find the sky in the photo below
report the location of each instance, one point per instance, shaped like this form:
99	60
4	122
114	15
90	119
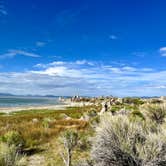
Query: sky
83	47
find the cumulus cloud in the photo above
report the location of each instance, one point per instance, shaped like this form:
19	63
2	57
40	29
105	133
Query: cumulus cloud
71	78
13	53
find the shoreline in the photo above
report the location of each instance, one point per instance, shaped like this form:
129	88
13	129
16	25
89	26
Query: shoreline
27	108
62	106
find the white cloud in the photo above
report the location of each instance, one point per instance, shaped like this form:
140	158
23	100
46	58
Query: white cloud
13	53
114	69
113	37
57	63
70	78
139	54
160	87
84	62
40	65
108	80
147	69
128	68
62	71
63	63
40	44
162	51
3	12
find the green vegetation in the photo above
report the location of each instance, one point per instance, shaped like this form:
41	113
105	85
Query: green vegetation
30	131
12	138
130	133
131	100
136	116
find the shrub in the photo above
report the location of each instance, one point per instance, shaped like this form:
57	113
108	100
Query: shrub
114	109
131	100
92	113
136	116
63	116
70	140
85	163
94	121
156	112
9	156
119	142
84	142
13	138
114	142
46	122
156	101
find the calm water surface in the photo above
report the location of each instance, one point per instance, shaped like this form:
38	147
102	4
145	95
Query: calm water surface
27	101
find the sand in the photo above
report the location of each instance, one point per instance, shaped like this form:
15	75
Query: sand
48	107
26	108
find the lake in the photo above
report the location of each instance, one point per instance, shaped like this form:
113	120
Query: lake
14	101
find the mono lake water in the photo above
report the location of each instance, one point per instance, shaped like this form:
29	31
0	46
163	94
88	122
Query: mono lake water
28	101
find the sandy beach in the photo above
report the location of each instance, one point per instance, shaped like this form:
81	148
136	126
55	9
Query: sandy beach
26	108
62	106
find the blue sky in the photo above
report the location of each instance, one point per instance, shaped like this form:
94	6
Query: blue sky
86	47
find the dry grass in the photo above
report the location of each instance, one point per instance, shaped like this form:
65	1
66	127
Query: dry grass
138	139
41	126
35	133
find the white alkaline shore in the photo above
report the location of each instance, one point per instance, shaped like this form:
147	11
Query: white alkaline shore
62	106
